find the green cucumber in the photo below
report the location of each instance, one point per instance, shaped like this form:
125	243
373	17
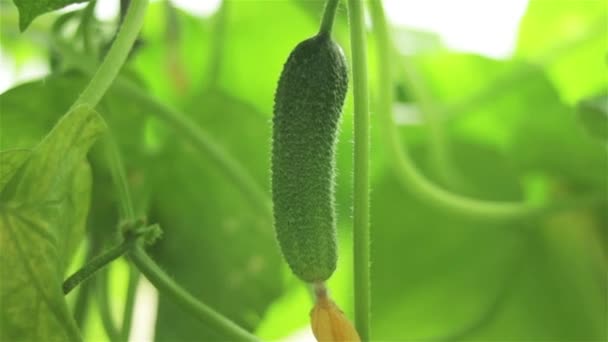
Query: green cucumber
308	103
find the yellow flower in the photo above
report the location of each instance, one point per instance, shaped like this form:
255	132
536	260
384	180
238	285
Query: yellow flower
329	324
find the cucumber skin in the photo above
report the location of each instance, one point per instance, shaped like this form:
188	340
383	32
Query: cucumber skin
308	102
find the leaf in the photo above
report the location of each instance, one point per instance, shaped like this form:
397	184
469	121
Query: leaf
516	108
136	133
216	244
561	292
42	220
30	9
593	113
434	272
11	161
567	39
552	140
440	277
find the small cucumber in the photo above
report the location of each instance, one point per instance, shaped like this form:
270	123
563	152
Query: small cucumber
308	103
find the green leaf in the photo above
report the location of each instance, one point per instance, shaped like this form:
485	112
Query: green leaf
30	9
567	39
11	161
216	244
136	133
516	108
437	276
593	113
42	221
552	140
561	292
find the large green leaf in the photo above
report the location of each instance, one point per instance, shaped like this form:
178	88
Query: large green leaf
568	38
216	244
439	276
43	214
30	9
560	294
516	108
549	138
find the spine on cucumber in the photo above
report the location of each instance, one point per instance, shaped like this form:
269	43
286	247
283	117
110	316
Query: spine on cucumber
308	103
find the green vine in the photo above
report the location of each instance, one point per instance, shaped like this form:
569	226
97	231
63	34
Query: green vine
169	287
119	177
104	307
361	170
127	316
93	266
110	67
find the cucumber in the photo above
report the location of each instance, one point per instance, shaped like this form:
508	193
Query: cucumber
308	103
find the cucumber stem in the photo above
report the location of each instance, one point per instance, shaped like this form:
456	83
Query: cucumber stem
329	14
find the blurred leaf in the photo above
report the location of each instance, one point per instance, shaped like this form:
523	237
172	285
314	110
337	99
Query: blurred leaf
216	244
550	139
22	47
519	113
459	77
433	272
30	9
11	161
568	38
561	295
43	219
287	314
441	277
593	113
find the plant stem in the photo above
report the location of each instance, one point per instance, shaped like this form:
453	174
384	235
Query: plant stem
119	178
105	310
438	143
81	305
84	28
329	14
127	316
93	266
168	287
411	178
361	170
108	70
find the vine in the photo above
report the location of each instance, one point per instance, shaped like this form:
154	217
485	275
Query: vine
361	171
